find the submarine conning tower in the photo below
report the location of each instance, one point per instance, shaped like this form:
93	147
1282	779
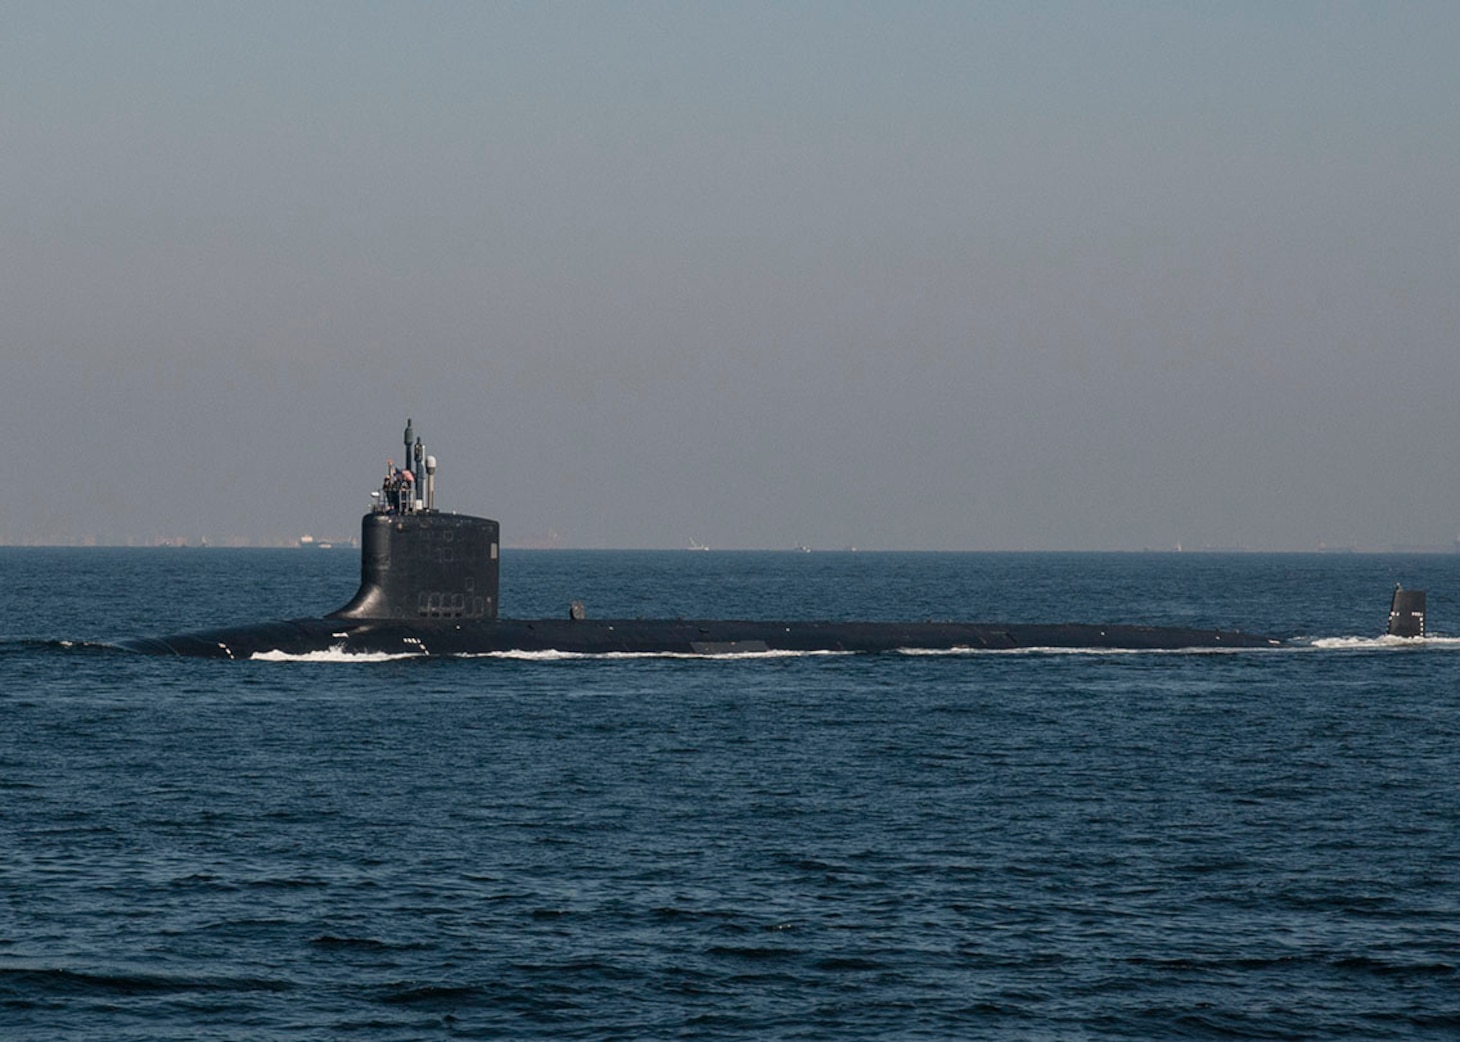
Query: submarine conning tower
416	562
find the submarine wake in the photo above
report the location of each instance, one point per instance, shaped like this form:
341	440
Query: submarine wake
335	655
1387	642
339	654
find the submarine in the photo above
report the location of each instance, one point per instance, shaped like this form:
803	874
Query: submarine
429	586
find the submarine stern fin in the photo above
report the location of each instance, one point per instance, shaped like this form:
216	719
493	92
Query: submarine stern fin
1407	613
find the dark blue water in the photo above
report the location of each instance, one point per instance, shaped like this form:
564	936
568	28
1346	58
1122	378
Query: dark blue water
1022	846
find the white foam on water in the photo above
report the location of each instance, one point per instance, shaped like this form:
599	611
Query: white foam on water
567	656
1386	643
1080	651
334	654
573	656
339	653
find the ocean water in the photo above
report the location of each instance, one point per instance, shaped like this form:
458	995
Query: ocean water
1038	845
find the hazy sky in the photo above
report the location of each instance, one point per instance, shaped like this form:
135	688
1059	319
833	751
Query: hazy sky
899	275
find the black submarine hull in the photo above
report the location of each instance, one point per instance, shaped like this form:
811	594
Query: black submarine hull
429	584
300	637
